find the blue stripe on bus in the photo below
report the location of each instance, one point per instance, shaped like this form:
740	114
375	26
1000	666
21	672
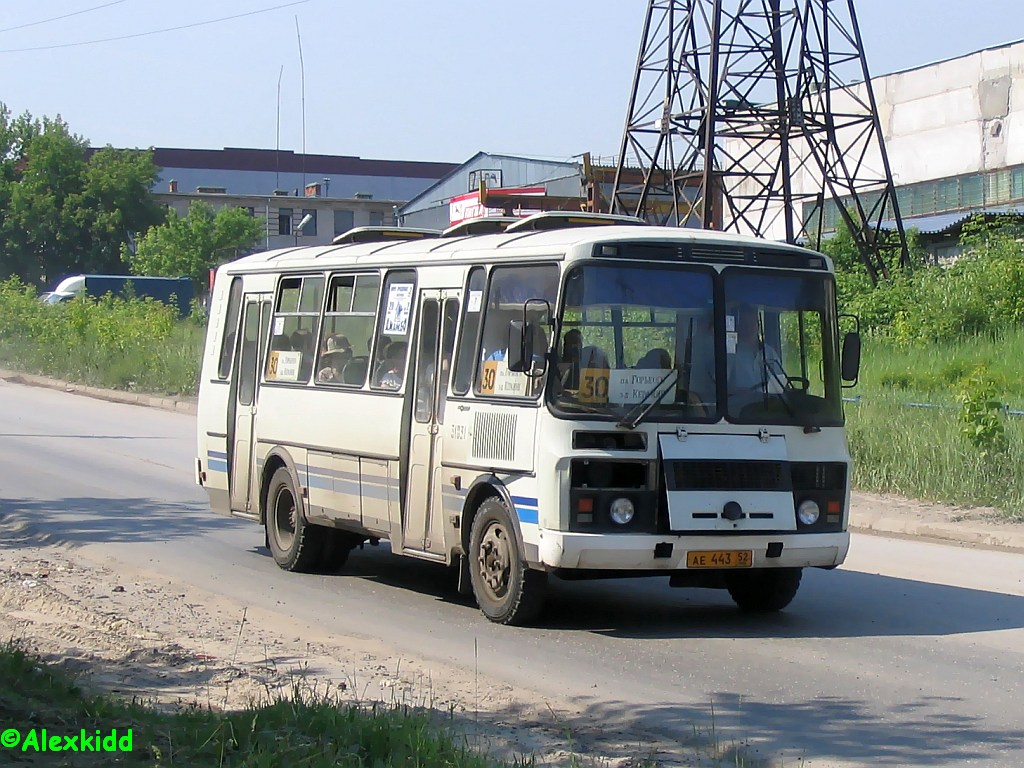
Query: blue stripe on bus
319	481
526	509
217	461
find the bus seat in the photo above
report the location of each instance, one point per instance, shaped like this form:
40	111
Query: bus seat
355	371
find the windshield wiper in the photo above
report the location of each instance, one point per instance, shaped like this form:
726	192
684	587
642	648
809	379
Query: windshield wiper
639	412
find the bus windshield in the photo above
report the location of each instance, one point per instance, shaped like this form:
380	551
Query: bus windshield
644	342
624	328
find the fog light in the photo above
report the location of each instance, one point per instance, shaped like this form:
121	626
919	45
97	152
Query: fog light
807	513
622	511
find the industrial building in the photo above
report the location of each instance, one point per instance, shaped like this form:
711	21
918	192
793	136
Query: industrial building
524	184
301	199
954	133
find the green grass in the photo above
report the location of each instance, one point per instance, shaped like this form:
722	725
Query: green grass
135	345
306	729
924	453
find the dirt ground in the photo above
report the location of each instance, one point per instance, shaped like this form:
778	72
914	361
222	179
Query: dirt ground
146	637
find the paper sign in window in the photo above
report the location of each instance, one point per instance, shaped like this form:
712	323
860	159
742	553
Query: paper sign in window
396	317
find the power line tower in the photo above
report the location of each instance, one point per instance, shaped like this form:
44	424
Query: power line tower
760	120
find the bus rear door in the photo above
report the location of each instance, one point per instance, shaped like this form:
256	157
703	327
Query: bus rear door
242	478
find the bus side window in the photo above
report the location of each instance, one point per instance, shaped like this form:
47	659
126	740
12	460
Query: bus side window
465	362
348	329
515	292
227	344
294	331
391	346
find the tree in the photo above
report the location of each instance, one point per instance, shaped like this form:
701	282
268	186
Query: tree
192	244
64	208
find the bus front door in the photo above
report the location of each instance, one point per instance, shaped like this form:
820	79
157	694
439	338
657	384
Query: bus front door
254	331
422	523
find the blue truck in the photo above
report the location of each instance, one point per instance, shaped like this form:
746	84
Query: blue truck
176	291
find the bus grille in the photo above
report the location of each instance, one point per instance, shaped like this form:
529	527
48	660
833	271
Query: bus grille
494	436
727	476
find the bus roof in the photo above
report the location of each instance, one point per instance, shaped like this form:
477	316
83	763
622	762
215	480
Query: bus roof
516	245
380	234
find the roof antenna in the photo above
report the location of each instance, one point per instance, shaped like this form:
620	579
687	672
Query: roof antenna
302	93
277	152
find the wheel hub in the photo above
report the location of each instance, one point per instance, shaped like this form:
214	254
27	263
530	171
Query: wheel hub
493	560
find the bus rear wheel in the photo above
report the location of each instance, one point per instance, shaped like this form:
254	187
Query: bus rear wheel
295	545
507	591
764	590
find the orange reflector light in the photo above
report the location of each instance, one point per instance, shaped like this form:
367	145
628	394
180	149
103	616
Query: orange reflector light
834	507
585	505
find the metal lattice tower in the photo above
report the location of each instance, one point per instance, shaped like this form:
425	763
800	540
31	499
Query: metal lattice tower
754	120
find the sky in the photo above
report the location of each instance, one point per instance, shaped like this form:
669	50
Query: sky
400	80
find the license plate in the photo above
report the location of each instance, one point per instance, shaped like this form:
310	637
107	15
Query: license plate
720	558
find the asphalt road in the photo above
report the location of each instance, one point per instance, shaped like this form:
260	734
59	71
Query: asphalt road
911	654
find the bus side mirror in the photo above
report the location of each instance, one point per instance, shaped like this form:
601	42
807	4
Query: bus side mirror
850	359
520	346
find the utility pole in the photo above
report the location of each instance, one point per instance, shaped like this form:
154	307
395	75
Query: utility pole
757	117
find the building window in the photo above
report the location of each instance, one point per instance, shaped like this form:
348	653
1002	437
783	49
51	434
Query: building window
284	221
376	219
343	221
310	229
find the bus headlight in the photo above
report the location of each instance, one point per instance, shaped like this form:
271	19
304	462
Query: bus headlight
621	511
807	513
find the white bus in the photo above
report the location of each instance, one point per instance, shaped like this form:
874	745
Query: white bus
580	396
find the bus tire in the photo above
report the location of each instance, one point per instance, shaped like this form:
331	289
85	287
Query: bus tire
295	544
507	591
764	590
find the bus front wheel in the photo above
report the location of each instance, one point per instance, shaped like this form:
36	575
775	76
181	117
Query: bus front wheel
295	545
764	590
507	591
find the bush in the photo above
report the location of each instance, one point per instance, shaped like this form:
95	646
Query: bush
136	344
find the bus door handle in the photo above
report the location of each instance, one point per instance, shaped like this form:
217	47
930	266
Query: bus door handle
434	429
463	407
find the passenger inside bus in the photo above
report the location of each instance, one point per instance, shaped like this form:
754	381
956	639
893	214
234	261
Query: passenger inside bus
302	341
657	358
391	370
576	357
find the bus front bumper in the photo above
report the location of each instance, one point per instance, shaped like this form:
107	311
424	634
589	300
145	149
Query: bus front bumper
588	551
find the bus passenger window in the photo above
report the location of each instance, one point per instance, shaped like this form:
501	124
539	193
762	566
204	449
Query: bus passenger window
294	328
391	345
347	331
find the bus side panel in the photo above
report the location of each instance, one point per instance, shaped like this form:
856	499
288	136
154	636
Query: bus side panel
334	486
493	436
378	489
352	439
523	492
